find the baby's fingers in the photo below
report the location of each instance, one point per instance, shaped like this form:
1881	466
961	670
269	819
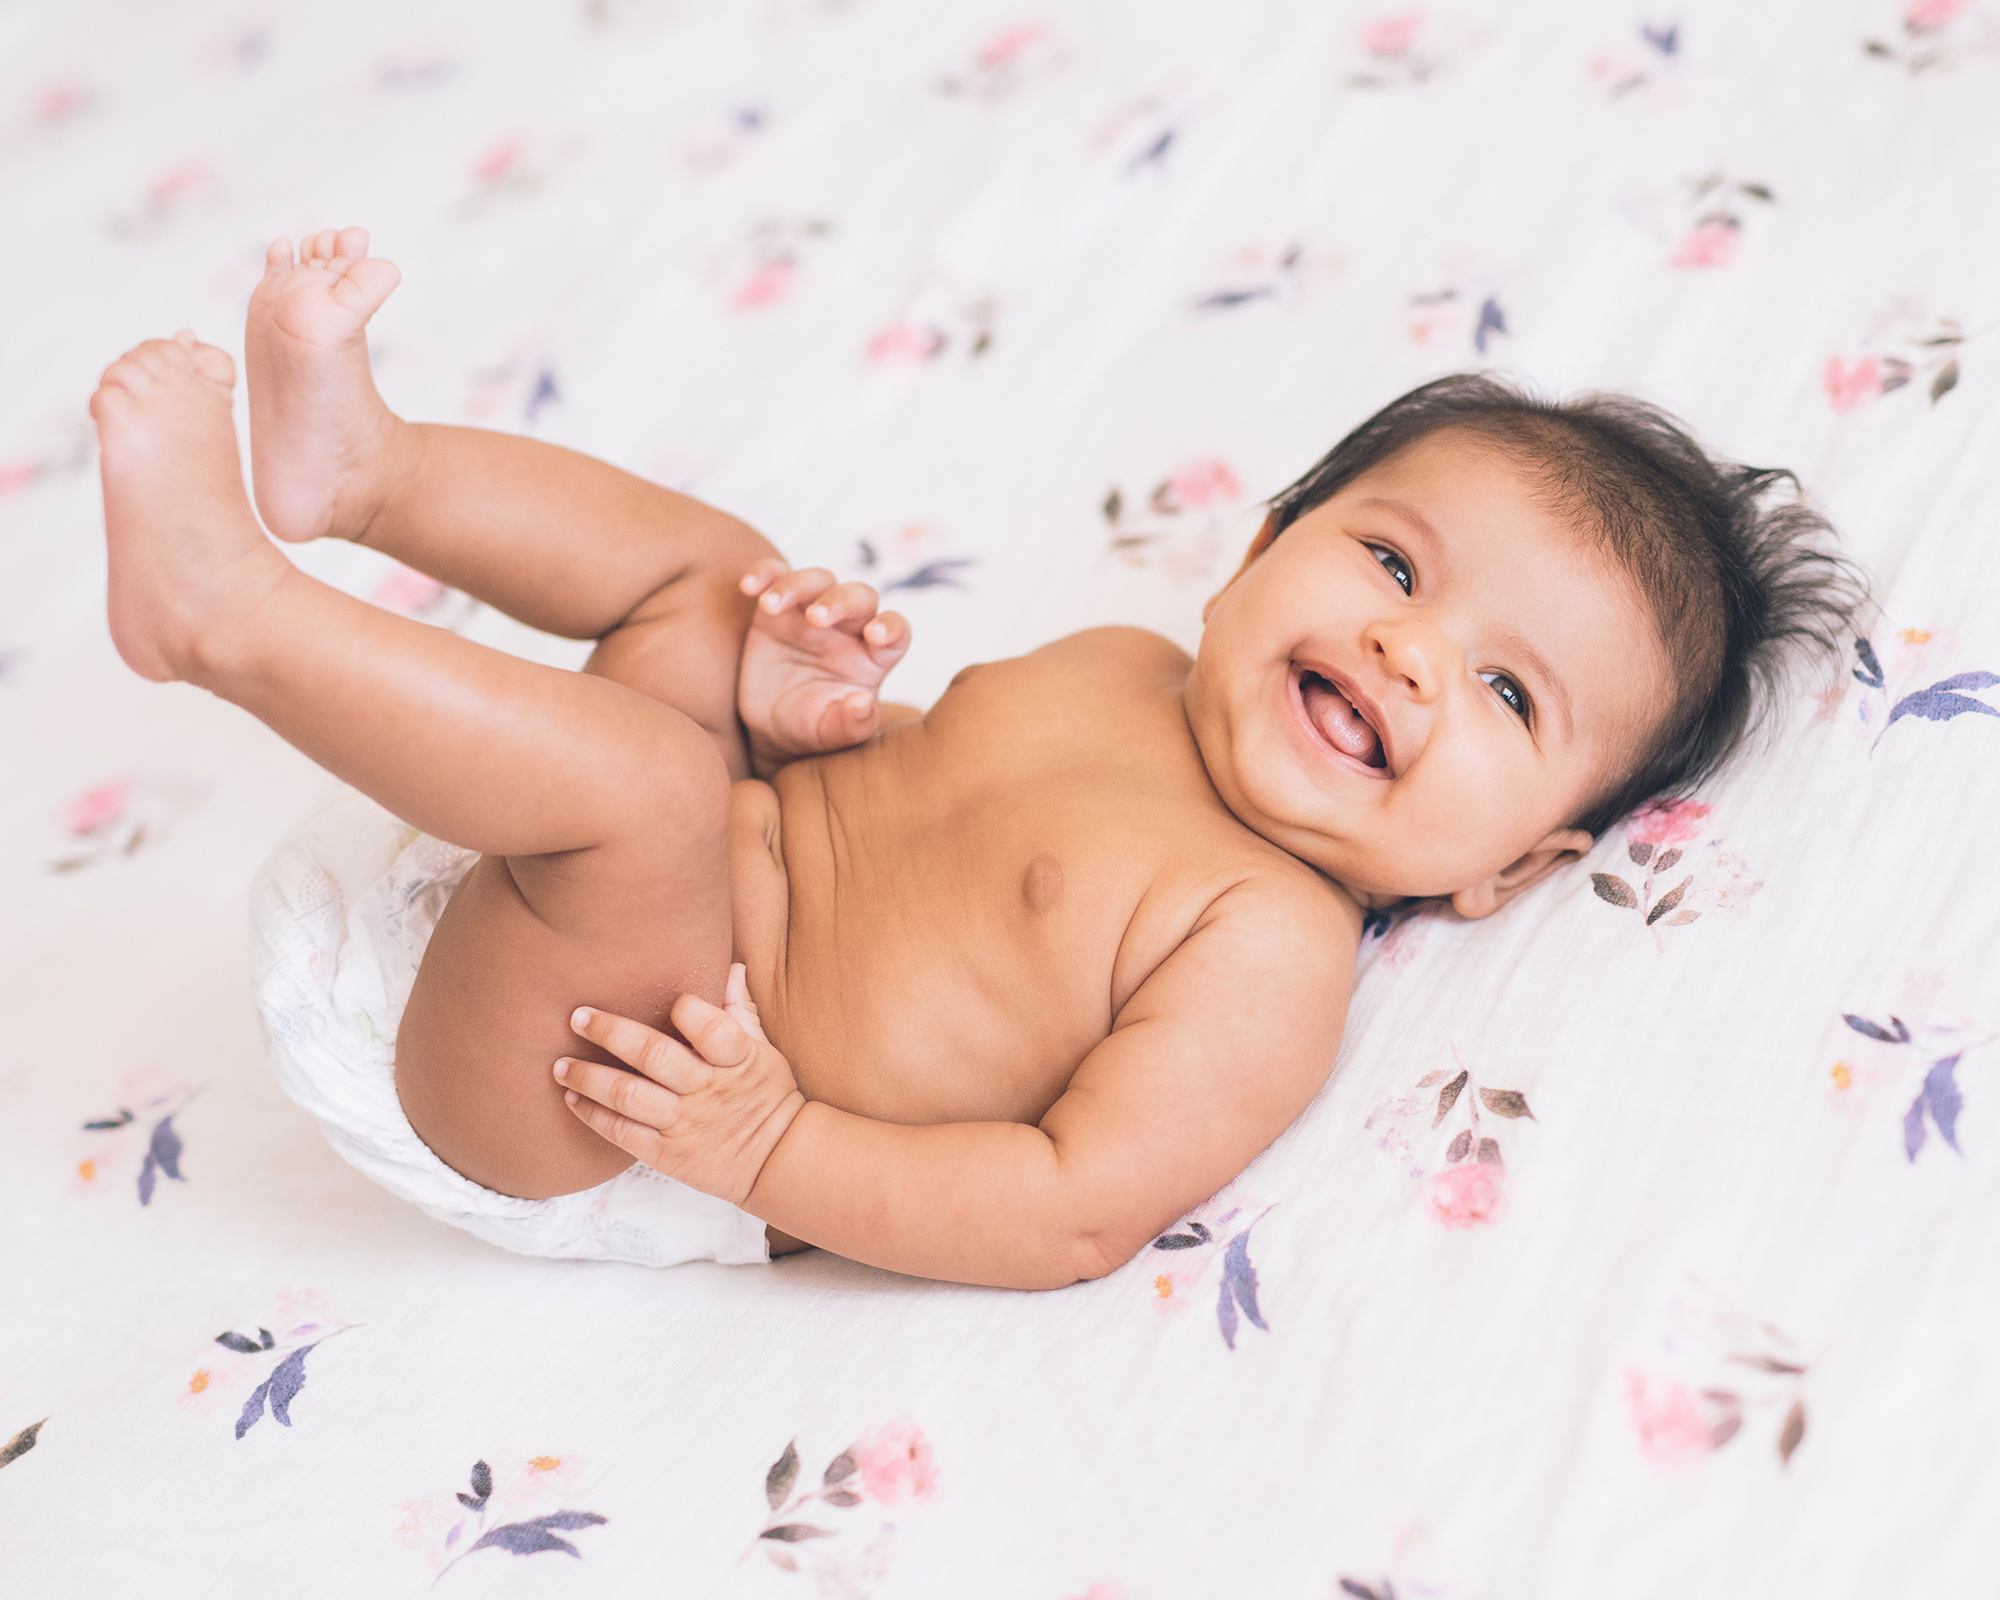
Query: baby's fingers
719	1037
631	1097
764	574
637	1139
843	603
887	638
652	1052
791	590
848	720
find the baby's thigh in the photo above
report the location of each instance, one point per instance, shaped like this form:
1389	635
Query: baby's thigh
489	1013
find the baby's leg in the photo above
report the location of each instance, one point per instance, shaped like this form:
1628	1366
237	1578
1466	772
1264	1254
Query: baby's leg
602	813
563	542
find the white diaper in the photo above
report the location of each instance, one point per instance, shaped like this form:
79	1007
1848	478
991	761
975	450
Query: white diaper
339	918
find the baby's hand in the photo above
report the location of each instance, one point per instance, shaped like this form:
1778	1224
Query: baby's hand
815	655
708	1116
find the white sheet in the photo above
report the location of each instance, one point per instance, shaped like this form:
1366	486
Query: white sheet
916	288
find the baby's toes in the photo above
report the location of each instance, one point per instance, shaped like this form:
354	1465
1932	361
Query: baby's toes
218	366
137	371
365	284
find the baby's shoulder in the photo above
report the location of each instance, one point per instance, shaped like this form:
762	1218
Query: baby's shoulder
1259	917
1138	650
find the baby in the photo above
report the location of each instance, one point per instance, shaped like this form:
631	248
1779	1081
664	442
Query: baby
990	993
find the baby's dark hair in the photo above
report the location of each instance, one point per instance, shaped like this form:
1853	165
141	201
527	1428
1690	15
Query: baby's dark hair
1740	585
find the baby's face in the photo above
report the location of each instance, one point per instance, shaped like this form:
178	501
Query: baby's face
1419	682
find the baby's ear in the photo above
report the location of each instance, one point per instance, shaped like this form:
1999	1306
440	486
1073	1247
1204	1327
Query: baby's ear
1488	895
1258	546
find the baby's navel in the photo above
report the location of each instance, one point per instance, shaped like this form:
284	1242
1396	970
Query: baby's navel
1041	884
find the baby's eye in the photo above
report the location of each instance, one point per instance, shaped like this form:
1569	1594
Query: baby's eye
1395	566
1508	690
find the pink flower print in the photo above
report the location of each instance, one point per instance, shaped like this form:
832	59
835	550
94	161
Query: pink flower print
1467	1196
1665	1416
407	591
1925	16
1391	35
1199	485
895	1463
499	159
1850	383
1008	43
177	183
59	102
1173	1290
1666	822
904	344
538	1475
767	285
1709	244
97	809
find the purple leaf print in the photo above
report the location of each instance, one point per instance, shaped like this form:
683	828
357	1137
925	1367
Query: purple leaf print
934	575
482	1488
1666	40
1914	1132
1870	670
1942	700
243	1344
545	393
253	1409
1492	320
163	1154
1154	154
124	1116
1940	1093
1224	299
536	1534
1196	1235
287	1378
1874	1030
1239	1288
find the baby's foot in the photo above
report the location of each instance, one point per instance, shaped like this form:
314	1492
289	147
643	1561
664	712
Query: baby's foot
187	556
320	435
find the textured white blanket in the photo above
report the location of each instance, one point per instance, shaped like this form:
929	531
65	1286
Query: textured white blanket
1642	1243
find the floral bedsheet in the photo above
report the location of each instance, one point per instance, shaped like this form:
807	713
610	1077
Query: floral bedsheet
1642	1241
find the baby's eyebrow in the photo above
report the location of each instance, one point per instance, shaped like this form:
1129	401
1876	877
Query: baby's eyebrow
1404	511
1515	644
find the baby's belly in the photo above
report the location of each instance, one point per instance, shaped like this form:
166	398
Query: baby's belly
901	978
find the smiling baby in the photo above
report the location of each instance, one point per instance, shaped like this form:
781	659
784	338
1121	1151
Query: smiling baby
992	992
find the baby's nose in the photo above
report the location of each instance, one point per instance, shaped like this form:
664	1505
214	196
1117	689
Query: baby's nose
1420	654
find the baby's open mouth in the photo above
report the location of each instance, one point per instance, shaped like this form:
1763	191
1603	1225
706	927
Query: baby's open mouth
1336	717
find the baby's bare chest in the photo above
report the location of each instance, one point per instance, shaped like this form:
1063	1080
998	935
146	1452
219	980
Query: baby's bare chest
941	927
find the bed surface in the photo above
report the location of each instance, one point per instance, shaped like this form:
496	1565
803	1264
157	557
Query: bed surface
1019	313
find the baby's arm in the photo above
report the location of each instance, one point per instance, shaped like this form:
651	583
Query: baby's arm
1214	1055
